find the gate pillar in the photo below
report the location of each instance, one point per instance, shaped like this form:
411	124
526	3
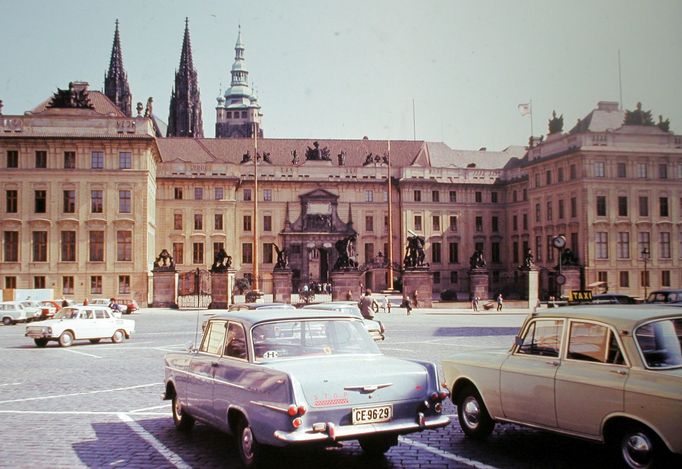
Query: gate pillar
344	281
281	285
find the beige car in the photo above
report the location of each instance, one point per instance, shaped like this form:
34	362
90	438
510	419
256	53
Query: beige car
609	373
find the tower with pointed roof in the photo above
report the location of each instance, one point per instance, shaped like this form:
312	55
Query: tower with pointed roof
116	79
184	116
238	112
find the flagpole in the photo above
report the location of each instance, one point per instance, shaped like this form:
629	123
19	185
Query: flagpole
255	210
389	254
531	117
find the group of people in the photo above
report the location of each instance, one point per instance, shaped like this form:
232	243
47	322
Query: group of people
475	302
316	287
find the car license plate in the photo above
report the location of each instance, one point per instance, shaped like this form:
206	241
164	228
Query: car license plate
372	414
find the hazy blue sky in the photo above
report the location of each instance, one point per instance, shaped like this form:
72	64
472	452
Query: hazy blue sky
346	69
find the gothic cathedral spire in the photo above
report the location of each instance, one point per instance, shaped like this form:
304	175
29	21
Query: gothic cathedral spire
116	80
184	117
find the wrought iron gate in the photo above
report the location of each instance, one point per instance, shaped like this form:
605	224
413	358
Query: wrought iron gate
194	289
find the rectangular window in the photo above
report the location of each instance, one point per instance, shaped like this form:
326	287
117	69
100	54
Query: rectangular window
218	222
537	179
663	171
624	279
621	170
67	285
179	253
246	223
436	222
436	278
641	170
665	278
663	207
125	160
97	160
623	245
493	197
550	249
247	195
644	243
267	195
560	175
561	209
369	223
643	206
435	253
219	193
10	281
435	196
96	284
267	222
479	223
197	253
515	223
537	213
602	245
96	246
11	201
495	224
573	172
177	221
453	254
177	193
125	201
268	249
217	247
96	201
495	252
515	252
574	207
68	244
548	177
514	197
40	201
41	159
665	245
198	221
12	159
601	206
369	196
644	279
622	206
39	281
40	246
538	248
599	169
603	277
417	196
70	201
369	252
525	221
549	210
453	196
124	246
69	160
247	255
478	196
124	284
454	277
11	247
198	193
418	222
453	222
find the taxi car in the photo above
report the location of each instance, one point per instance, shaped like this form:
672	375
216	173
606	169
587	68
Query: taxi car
609	373
90	322
296	377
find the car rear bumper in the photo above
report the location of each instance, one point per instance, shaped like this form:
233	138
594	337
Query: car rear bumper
330	432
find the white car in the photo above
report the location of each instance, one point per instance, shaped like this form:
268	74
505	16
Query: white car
375	328
33	309
91	323
122	307
13	312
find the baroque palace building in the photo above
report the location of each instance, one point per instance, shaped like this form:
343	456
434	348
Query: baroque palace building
91	196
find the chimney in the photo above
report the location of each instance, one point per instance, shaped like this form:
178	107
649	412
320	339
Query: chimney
608	106
80	85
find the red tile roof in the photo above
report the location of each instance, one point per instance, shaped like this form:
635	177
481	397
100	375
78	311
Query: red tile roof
100	102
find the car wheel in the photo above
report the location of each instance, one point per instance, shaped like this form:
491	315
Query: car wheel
249	449
40	342
95	341
118	337
183	422
7	321
376	446
639	448
66	339
473	416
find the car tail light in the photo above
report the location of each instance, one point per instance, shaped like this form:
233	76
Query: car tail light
297	422
293	410
443	395
438	407
302	410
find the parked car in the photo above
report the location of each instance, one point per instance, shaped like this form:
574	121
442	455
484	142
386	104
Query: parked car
33	309
294	377
254	306
121	304
130	304
612	298
665	296
48	308
609	373
90	322
375	328
13	312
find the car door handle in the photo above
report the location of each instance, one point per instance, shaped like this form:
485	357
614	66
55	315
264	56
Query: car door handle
620	372
553	363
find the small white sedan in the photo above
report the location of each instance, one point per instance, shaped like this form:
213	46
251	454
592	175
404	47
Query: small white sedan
91	323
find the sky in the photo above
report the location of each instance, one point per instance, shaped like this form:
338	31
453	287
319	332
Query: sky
438	70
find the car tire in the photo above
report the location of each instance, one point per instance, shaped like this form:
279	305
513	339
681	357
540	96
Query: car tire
473	415
7	321
638	447
376	446
249	448
66	339
118	336
40	342
183	422
95	341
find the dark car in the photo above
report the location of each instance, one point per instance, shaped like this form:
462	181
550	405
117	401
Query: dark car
665	296
613	299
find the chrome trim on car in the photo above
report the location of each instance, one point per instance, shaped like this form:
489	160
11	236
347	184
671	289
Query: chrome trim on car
367	388
270	406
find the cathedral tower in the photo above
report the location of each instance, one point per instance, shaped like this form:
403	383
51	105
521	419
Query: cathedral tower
116	80
238	112
184	116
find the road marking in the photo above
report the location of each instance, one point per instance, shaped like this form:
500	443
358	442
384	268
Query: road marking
158	446
81	353
150	408
10	384
79	393
445	454
80	412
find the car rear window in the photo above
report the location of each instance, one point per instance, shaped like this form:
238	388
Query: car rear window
660	343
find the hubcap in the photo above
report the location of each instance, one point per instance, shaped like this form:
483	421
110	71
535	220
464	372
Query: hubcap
247	443
178	409
66	339
471	411
637	450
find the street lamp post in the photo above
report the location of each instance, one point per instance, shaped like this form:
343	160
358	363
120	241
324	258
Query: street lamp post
389	253
645	255
255	210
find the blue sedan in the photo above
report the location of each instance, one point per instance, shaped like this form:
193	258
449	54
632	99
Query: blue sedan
306	377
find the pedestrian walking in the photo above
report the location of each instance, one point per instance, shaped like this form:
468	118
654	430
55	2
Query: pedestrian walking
367	305
384	304
474	303
86	302
406	304
499	302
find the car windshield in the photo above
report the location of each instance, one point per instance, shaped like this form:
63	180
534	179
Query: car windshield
661	343
66	313
287	339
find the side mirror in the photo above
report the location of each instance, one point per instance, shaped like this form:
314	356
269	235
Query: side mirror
518	340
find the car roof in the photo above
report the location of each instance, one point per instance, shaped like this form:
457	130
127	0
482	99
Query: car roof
620	316
248	318
87	306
